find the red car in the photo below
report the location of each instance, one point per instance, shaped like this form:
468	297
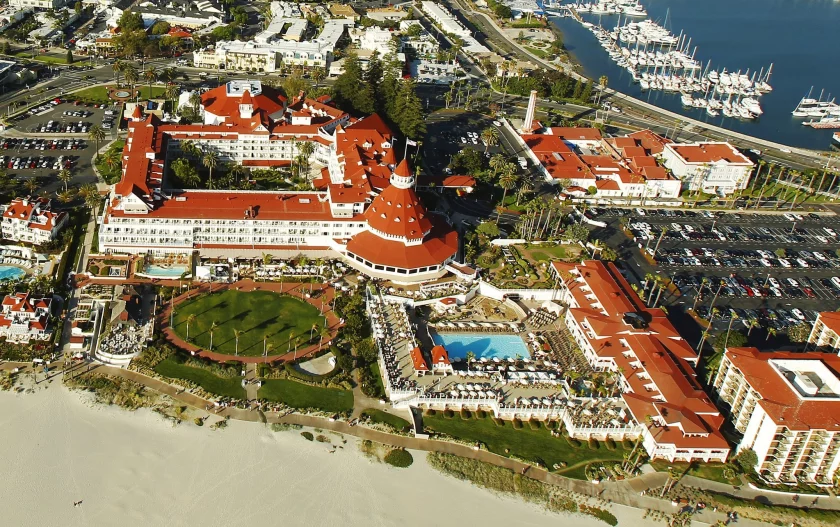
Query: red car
808	292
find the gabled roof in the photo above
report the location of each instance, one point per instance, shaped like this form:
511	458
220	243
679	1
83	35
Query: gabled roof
440	356
418	360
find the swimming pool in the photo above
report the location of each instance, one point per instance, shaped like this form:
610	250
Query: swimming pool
7	272
489	346
173	271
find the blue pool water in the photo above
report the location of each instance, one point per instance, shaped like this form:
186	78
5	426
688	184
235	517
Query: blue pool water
490	346
8	272
174	271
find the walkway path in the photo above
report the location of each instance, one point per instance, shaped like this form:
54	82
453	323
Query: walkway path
322	296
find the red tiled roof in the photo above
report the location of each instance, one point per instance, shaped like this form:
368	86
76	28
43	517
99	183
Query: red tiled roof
831	319
778	399
710	153
576	133
440	356
651	141
398	212
556	156
217	101
233	205
438	246
418	360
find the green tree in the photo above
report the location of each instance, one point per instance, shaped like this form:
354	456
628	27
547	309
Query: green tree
800	332
490	136
65	176
747	460
186	173
131	75
489	229
69	57
577	233
210	160
351	90
507	181
608	254
736	340
408	111
96	134
151	75
130	21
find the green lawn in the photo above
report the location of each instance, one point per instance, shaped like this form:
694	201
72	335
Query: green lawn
299	395
224	386
548	252
378	416
99	94
111	174
532	445
710	471
259	314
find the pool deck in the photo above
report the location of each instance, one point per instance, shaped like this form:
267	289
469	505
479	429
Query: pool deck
454	344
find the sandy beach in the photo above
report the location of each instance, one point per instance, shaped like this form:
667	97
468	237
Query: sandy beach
135	467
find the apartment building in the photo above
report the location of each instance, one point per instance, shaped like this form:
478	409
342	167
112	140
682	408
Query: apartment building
618	169
787	405
24	318
717	168
659	386
32	221
362	207
825	335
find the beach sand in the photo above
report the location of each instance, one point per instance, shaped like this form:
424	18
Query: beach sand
135	468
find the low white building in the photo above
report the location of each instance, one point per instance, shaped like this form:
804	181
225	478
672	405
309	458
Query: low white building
787	406
825	335
449	24
24	318
32	221
717	168
40	4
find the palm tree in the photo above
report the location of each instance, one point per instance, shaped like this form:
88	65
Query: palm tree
312	330
130	74
210	160
65	197
507	181
236	334
213	327
118	68
497	162
65	176
324	333
602	81
752	324
112	159
31	185
190	320
96	134
490	136
470	358
771	332
171	92
305	151
151	75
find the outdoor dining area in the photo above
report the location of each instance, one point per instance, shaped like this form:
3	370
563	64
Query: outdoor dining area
124	340
478	327
394	338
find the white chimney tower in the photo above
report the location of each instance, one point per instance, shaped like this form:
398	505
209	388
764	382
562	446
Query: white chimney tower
527	126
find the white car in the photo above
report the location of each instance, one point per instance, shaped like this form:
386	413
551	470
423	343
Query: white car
773	282
830	232
802	263
784	263
821	239
836	281
676	226
798	314
789	216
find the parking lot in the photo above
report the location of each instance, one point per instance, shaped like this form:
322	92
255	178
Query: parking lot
446	135
770	271
61	116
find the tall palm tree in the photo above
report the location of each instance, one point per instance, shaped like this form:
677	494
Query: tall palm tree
131	75
210	160
291	336
323	334
113	158
171	92
65	176
213	327
490	136
312	331
118	68
31	185
96	134
305	151
190	320
236	334
497	162
507	181
470	358
65	197
602	81
151	75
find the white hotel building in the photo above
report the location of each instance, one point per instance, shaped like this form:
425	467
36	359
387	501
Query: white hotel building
712	167
659	386
787	406
363	206
31	221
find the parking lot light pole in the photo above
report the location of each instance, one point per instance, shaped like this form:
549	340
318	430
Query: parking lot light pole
793	227
766	279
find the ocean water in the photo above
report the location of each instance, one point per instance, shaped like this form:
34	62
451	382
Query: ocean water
800	37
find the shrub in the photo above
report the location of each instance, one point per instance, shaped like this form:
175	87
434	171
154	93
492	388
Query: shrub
517	424
551	425
465	414
198	421
399	458
430	412
594	444
283	427
448	414
498	422
602	514
628	444
307	435
534	424
322	439
610	444
572	441
481	414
